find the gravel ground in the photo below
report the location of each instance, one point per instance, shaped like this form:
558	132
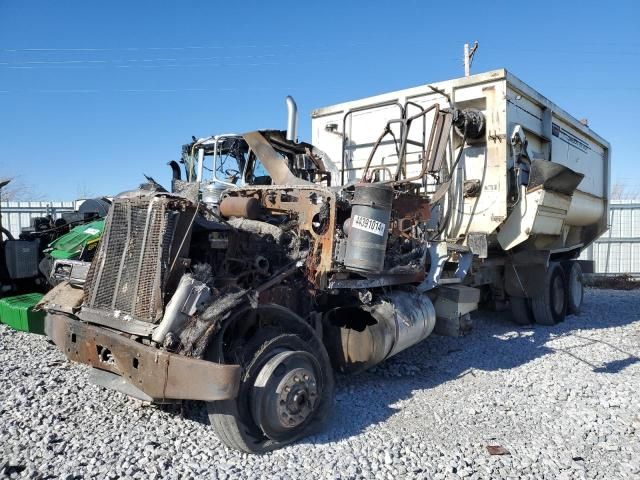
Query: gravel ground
563	401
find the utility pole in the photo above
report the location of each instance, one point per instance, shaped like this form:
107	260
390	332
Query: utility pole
468	57
3	184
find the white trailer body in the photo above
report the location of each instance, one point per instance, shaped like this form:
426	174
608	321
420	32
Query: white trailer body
520	122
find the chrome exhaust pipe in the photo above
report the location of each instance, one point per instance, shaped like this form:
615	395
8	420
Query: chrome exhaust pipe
292	119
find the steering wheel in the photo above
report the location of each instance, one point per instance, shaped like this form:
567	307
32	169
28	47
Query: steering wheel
232	174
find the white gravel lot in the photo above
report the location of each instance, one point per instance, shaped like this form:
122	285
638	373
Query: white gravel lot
562	400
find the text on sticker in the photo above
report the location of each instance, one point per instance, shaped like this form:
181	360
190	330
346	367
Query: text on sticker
368	225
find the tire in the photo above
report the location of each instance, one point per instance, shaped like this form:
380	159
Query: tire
575	287
521	310
271	361
550	308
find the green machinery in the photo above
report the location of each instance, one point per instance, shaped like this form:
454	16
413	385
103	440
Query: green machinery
68	257
18	313
79	243
64	256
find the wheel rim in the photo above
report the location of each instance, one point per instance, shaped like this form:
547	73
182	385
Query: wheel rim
286	393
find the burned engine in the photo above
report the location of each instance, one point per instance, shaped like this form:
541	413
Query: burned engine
176	265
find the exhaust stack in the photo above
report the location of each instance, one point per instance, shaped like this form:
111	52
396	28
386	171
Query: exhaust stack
292	119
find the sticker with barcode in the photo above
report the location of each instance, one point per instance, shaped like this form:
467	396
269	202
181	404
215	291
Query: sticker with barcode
91	231
368	225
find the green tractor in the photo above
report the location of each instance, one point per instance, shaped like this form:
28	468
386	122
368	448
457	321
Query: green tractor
68	257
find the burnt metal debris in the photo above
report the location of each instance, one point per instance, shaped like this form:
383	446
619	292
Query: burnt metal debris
497	450
159	307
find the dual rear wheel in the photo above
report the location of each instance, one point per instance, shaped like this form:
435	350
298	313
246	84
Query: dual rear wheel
563	294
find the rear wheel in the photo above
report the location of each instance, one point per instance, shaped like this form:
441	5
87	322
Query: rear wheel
575	287
551	307
286	391
521	310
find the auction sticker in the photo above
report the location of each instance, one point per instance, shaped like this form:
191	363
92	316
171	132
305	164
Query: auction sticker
368	225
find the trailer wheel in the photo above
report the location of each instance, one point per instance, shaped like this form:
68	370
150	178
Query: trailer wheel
551	307
286	392
521	310
575	287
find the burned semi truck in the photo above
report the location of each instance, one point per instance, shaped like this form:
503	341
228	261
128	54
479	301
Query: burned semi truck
248	289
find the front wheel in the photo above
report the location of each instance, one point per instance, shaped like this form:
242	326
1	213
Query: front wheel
286	393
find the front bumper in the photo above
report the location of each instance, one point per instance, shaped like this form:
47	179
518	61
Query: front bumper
161	375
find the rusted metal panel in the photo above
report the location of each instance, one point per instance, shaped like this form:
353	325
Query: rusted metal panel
373	281
409	210
309	203
244	207
63	298
272	160
116	320
160	374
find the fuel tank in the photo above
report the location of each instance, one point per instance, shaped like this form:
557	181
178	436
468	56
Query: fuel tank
362	336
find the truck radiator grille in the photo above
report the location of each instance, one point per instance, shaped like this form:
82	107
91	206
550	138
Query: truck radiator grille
140	242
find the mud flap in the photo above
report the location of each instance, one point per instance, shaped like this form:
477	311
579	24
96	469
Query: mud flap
524	273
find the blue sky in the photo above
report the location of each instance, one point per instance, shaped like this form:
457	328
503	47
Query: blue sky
93	94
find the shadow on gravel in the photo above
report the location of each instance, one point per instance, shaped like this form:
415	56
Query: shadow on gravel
616	365
494	344
193	410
